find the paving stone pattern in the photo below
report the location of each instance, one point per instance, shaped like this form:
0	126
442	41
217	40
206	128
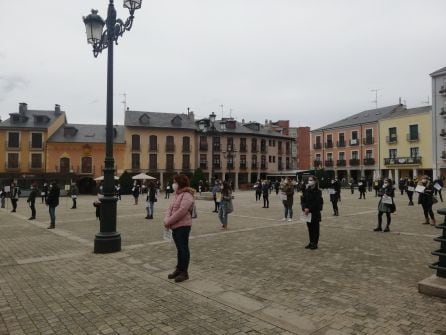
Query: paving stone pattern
255	278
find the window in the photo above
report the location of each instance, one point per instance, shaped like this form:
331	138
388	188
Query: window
392	153
153	161
329	156
279	147
186	144
243	145
368	154
330	138
170	143
254	161
414	152
270	159
13	160
342	156
135	143
230	162
135	161
279	163
287	148
318	157
354	135
243	161
13	140
355	154
274	159
153	143
263	146
186	162
413	132
368	133
263	162
36	141
203	143
169	162
254	145
203	161
64	165
230	144
36	161
287	163
392	134
341	138
216	143
318	139
86	165
216	161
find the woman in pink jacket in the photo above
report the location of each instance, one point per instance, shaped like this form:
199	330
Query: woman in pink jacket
179	219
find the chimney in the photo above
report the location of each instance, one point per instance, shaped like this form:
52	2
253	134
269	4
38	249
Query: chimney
191	115
243	121
23	107
266	122
399	100
57	109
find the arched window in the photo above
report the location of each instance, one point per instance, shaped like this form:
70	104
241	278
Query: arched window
64	165
86	165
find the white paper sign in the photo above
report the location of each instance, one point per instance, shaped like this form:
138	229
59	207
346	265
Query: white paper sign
420	189
305	217
331	191
437	187
167	235
283	196
7	189
387	200
359	184
67	187
410	188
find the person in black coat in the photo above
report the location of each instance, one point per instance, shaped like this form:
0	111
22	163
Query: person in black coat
386	204
151	199
410	187
32	201
265	193
362	188
426	199
15	193
438	181
312	203
334	190
52	201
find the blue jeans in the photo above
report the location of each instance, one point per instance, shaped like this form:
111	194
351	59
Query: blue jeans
288	209
149	208
223	213
52	211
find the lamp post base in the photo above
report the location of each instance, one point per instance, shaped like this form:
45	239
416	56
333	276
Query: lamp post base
105	243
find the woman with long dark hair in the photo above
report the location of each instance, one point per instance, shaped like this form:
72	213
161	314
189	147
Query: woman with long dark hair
312	203
179	219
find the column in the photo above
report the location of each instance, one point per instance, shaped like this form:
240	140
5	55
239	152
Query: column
397	175
415	173
236	181
161	180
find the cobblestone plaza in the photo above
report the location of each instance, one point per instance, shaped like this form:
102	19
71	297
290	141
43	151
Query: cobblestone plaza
255	278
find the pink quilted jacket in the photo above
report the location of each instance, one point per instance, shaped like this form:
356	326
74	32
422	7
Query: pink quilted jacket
179	212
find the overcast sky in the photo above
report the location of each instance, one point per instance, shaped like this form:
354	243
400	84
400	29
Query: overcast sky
310	61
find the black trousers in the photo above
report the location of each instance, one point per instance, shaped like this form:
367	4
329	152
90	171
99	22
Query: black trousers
361	194
335	206
410	196
380	218
74	202
14	204
258	195
313	231
181	239
265	201
33	209
427	209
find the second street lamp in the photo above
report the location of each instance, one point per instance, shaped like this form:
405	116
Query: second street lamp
108	239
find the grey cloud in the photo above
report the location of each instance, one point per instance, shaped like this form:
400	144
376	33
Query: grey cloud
11	83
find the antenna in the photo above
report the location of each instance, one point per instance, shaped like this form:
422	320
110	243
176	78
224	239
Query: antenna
426	102
376	90
124	102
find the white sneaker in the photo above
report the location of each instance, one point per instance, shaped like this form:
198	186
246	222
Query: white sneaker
289	220
284	219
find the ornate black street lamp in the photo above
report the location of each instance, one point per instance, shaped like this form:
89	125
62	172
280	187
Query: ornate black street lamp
209	125
108	239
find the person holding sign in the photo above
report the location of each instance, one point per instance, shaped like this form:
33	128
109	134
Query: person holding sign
410	188
312	203
438	185
334	191
425	191
362	188
386	204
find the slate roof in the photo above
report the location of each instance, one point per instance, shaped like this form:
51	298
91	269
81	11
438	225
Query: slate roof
30	119
158	120
367	116
408	111
438	72
85	133
249	129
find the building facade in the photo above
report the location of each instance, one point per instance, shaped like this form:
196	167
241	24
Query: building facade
301	153
439	122
349	149
405	143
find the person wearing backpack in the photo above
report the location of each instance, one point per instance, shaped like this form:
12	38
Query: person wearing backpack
312	203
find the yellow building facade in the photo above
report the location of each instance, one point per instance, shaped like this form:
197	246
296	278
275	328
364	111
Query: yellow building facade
405	143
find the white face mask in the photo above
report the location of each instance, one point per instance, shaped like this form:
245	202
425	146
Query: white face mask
385	184
175	186
311	182
424	181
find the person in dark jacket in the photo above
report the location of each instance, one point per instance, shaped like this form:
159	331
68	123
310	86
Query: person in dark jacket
151	199
426	199
15	192
440	184
52	201
334	190
312	203
32	201
265	193
44	192
362	188
287	194
410	188
74	192
386	204
136	190
2	197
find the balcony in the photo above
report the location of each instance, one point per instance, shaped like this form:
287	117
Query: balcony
402	161
317	163
263	166
136	148
329	163
340	144
354	142
12	146
341	162
317	145
36	146
328	144
243	148
243	166
369	161
170	147
413	137
186	148
217	166
203	165
443	111
264	150
443	133
368	141
170	166
217	147
392	139
230	166
254	149
442	90
254	166
354	162
443	155
12	166
153	147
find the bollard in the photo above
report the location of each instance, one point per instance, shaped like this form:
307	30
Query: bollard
440	266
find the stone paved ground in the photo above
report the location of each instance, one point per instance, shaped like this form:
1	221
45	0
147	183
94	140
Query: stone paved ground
255	278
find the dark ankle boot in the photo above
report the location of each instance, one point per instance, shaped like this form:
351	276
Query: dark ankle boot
181	277
174	274
378	228
387	229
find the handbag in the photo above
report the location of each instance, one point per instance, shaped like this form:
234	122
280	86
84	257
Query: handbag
193	212
230	207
